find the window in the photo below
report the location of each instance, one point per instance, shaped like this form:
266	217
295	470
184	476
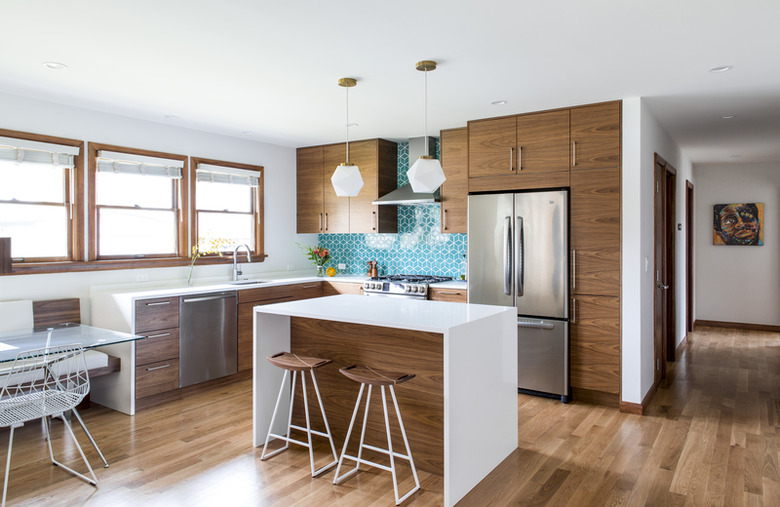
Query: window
40	185
137	202
227	205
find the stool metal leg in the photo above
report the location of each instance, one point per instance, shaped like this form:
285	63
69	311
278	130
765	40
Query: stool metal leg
338	478
265	454
327	426
408	450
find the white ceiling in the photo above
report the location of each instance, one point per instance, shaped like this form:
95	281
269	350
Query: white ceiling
272	68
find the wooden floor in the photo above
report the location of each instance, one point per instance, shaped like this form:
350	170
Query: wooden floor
710	437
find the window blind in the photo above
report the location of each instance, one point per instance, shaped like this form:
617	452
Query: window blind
23	151
231	175
128	163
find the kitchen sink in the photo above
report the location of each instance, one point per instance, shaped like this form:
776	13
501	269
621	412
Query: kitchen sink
247	282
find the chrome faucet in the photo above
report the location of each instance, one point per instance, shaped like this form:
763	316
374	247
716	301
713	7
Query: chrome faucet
236	270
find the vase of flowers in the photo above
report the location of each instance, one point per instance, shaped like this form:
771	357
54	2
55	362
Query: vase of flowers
319	256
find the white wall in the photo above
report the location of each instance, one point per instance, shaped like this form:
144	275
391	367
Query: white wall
47	118
643	136
737	283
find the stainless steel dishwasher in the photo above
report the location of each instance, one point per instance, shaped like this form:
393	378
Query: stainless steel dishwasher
208	337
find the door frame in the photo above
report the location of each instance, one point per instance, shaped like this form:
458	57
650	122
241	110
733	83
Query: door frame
664	319
688	256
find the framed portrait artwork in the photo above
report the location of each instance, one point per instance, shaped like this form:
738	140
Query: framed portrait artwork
739	224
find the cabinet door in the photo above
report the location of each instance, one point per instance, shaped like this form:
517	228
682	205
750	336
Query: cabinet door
595	136
363	216
453	295
595	343
309	190
595	232
543	142
335	208
492	147
454	191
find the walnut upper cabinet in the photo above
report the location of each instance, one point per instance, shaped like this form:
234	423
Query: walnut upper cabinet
515	152
595	136
454	191
320	210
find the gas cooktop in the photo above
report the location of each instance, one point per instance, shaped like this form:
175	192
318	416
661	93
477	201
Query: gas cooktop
411	278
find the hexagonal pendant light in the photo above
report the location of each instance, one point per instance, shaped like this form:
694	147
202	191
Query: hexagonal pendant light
426	175
346	179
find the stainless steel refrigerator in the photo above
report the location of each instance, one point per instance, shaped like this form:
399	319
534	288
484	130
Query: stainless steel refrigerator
518	250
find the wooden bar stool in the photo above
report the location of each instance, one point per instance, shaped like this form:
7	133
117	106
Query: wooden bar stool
293	363
375	377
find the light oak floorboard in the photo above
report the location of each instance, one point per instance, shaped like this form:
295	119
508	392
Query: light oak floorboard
709	437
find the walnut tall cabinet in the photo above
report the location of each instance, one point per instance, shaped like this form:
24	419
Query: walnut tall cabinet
576	148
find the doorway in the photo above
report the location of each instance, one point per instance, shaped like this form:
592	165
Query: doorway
665	257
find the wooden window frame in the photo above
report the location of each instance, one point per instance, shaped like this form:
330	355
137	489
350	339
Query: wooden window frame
113	262
76	225
258	209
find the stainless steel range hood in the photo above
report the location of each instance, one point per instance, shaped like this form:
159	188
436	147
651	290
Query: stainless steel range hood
405	196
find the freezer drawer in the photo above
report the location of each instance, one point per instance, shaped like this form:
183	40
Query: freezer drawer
543	356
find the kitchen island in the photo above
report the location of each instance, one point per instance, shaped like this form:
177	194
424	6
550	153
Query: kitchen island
460	410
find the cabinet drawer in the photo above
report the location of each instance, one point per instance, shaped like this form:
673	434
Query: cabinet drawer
157	346
155	378
158	313
453	295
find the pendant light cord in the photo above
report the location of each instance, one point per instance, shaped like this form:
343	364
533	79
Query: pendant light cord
347	124
425	136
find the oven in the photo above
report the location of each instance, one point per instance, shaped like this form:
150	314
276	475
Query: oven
401	286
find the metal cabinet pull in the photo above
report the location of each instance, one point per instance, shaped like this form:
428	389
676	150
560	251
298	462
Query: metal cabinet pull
574	153
448	292
573	310
158	335
308	286
373	220
326	221
573	269
158	303
158	367
511	158
444	219
519	158
320	221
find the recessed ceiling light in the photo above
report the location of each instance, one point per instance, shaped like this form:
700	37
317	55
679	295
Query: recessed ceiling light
352	124
172	116
247	132
55	65
498	102
728	116
722	68
735	156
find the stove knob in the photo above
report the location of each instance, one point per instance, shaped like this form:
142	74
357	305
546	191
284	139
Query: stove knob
408	288
415	289
374	285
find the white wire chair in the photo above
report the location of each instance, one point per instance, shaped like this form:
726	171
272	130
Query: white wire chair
42	383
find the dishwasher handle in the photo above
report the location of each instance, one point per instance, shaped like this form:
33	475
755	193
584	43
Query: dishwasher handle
209	298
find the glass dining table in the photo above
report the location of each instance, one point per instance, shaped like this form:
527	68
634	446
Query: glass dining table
89	337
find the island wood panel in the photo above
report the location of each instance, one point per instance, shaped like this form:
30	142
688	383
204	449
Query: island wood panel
595	344
50	312
542	142
335	208
595	231
454	191
160	313
595	136
491	146
309	190
421	399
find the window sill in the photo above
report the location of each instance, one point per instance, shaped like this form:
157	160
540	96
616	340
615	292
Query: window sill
104	265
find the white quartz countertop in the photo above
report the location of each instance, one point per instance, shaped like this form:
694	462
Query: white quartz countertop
399	313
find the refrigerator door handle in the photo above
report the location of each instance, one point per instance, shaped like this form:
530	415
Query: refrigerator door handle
520	256
508	256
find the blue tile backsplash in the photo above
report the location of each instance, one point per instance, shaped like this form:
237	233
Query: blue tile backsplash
418	248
